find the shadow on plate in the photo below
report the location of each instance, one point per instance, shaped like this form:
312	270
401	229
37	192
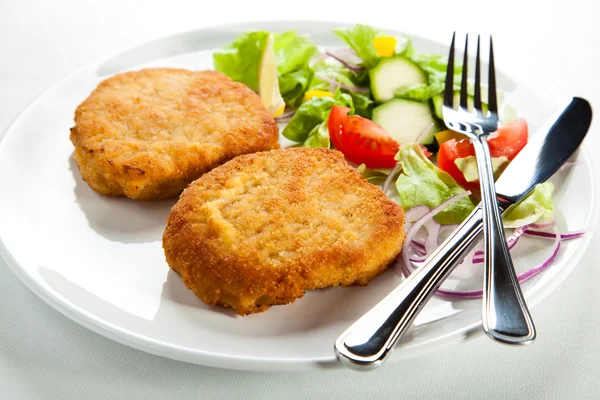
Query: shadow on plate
120	219
174	291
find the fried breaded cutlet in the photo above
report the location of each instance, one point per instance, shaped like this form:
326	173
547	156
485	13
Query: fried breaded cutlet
147	134
263	228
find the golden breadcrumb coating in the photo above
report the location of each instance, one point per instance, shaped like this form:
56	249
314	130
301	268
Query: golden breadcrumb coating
147	134
263	228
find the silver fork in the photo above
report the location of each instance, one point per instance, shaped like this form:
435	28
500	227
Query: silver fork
505	314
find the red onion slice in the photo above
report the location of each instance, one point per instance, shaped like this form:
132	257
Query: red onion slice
390	177
285	117
424	133
404	262
551	235
347	64
511	241
530	273
542	226
336	84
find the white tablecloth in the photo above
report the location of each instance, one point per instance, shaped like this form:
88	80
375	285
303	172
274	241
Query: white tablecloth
43	355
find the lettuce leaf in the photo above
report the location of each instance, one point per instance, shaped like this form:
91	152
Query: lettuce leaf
241	60
537	207
332	69
309	124
360	39
421	182
374	175
434	66
468	166
363	104
318	136
293	51
293	86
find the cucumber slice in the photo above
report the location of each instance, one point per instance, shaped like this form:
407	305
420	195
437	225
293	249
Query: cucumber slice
393	73
404	120
438	102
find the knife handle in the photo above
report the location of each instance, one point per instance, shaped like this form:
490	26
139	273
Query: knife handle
370	339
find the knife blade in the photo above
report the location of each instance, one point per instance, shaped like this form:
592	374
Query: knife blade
552	145
368	342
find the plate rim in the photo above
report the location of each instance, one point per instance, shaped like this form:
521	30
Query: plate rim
242	362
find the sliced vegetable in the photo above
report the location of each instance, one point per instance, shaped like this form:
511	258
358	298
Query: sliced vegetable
385	46
416	251
434	66
328	74
422	183
331	74
333	84
420	91
444	136
393	73
468	166
507	141
426	218
404	120
361	140
316	93
285	117
530	273
347	57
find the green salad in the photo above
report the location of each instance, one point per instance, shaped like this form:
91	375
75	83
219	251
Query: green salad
378	100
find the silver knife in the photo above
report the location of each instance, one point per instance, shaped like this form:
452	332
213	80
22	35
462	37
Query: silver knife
371	339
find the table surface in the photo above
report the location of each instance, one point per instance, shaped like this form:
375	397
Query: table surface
44	355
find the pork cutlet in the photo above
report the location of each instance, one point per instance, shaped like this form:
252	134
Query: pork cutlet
147	134
263	228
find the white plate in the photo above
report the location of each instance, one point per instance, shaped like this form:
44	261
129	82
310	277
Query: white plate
99	260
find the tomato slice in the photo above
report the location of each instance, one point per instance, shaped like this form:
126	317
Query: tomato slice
450	151
508	141
361	140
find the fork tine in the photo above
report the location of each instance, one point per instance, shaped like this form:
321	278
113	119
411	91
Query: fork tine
463	83
477	94
449	88
492	103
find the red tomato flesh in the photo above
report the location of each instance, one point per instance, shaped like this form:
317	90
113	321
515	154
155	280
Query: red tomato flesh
508	141
361	140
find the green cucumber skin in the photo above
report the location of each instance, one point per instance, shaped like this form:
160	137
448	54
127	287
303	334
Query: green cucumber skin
375	71
381	117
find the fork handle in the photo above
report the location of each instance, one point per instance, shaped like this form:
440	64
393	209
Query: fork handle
368	342
506	317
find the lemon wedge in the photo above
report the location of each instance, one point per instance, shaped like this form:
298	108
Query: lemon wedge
268	84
